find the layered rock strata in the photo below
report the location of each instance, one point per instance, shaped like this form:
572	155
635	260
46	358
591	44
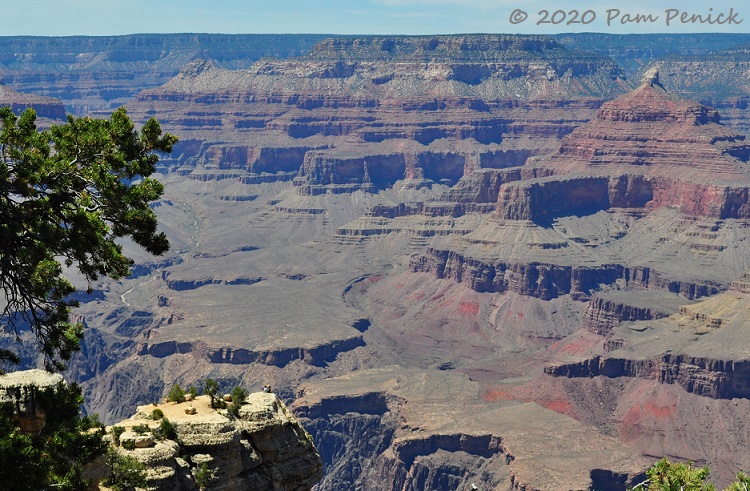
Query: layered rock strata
47	108
634	52
700	347
90	73
424	443
363	113
608	309
263	447
644	153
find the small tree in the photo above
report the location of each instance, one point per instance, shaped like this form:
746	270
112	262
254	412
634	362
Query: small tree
192	391
239	396
167	429
126	473
117	431
211	388
141	429
203	476
176	394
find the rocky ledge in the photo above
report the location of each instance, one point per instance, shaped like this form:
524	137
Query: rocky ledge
700	347
20	389
263	447
47	108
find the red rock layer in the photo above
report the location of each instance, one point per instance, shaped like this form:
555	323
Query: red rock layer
646	149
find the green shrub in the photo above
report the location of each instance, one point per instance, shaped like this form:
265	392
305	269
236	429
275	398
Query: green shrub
157	414
239	396
176	394
116	432
126	473
203	476
128	445
141	429
192	391
667	476
167	429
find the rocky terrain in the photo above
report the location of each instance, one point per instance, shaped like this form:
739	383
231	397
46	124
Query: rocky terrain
262	447
365	113
460	259
47	108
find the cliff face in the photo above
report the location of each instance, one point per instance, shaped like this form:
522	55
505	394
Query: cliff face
365	113
715	378
20	389
643	153
47	108
634	52
648	149
263	447
431	445
710	367
606	310
103	72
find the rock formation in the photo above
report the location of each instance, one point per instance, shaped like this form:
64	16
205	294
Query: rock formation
634	52
263	447
90	73
20	389
713	366
393	429
645	153
364	113
47	108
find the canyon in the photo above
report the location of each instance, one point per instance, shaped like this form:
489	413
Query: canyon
488	259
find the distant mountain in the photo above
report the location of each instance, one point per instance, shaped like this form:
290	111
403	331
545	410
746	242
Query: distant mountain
94	73
635	51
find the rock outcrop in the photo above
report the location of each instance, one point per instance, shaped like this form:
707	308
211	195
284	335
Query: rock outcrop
263	447
699	347
608	309
20	389
47	109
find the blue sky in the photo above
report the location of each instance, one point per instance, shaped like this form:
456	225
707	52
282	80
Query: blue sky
106	17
